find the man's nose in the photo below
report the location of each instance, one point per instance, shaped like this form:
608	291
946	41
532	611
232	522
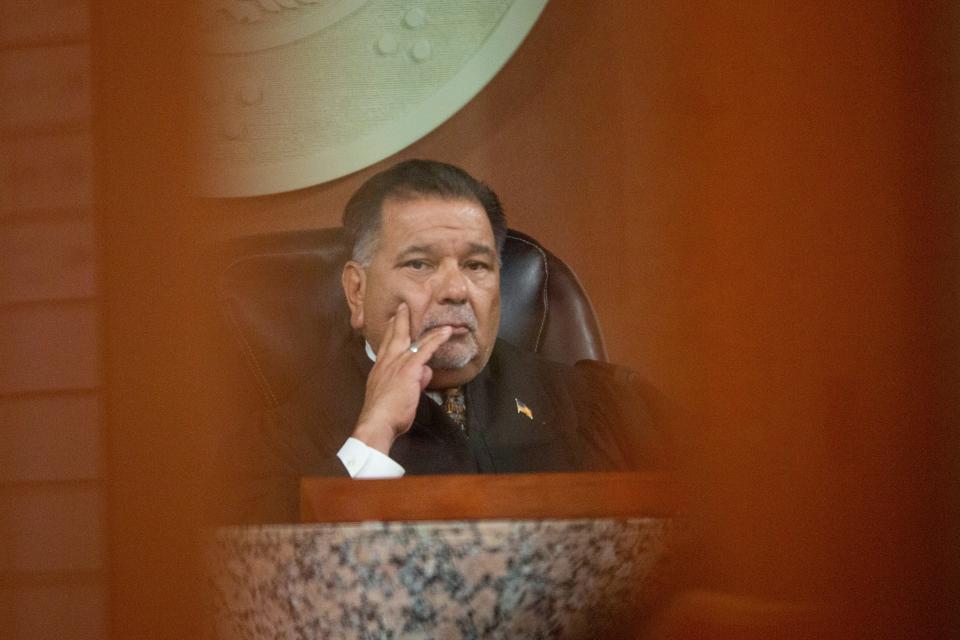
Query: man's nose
451	286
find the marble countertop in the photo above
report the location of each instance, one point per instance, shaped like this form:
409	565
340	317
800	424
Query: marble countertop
465	579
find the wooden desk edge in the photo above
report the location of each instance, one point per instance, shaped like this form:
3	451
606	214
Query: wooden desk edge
490	497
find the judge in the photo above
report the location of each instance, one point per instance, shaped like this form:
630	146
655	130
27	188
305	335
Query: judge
426	387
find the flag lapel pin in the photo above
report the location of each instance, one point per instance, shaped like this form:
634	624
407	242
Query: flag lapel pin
524	409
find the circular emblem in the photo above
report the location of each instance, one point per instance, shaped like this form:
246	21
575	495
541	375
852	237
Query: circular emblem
298	92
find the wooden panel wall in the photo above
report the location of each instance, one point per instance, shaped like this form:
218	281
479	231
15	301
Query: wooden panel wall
52	490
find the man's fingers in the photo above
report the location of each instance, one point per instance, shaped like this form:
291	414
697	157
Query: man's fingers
430	342
397	343
397	335
401	325
426	373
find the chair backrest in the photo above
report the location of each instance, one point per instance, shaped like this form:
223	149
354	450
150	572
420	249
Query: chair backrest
281	294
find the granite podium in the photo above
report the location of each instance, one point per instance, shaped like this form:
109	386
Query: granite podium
513	556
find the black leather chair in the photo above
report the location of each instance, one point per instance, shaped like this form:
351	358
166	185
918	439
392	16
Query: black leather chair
281	294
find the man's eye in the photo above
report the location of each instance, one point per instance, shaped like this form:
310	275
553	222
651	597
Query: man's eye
417	265
476	265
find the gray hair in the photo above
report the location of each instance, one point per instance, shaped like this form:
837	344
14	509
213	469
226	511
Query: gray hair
362	217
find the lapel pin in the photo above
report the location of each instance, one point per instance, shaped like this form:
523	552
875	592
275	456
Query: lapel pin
524	409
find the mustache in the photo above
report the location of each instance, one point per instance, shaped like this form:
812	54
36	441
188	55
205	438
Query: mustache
460	316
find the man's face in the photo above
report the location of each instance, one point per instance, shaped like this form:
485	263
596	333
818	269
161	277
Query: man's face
438	256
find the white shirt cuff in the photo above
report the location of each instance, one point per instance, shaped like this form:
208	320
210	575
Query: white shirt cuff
365	462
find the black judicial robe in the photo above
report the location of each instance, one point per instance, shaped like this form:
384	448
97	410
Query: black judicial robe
524	414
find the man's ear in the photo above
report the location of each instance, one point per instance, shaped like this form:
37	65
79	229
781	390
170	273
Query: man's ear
354	281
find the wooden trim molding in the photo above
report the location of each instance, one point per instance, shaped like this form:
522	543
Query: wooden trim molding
470	497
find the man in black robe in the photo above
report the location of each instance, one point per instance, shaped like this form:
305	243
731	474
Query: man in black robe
425	387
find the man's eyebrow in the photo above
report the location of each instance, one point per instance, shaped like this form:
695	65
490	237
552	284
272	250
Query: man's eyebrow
474	248
415	249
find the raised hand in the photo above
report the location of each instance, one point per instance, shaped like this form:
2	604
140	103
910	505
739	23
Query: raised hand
398	377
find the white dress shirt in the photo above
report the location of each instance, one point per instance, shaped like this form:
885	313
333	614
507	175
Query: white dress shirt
363	461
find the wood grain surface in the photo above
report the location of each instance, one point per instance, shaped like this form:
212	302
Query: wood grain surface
468	497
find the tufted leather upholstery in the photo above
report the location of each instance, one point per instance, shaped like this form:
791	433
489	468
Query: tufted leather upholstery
281	294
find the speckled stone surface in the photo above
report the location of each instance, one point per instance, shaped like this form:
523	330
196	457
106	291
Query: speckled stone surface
483	579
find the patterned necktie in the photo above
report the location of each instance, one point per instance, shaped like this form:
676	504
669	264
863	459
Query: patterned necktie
456	407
